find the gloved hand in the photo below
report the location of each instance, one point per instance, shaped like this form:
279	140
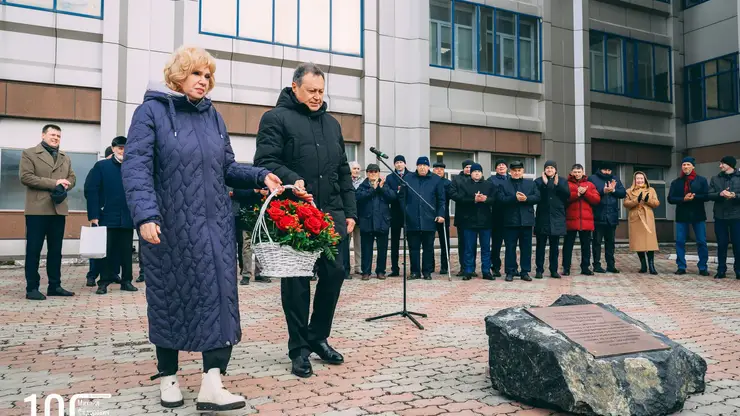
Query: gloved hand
639	198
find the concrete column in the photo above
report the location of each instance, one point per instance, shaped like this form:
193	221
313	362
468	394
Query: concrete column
582	79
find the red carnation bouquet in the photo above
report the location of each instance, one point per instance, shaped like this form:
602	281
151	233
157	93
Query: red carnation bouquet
299	225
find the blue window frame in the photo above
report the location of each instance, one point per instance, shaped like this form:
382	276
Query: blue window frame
83	8
711	89
333	26
490	41
687	4
630	67
665	1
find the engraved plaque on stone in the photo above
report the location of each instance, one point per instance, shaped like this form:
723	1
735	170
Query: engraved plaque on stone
599	331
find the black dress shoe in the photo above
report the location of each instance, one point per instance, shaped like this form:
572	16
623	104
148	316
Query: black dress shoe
128	287
538	275
460	274
102	290
59	291
444	271
467	276
301	366
681	272
140	278
244	281
263	279
90	282
525	277
720	275
587	272
566	272
348	277
394	273
599	269
427	276
555	275
413	276
496	273
327	353
703	272
35	295
509	277
116	279
488	276
612	269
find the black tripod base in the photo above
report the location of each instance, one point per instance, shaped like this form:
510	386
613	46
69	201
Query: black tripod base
405	314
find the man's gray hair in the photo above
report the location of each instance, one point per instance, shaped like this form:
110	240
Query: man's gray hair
354	163
306	68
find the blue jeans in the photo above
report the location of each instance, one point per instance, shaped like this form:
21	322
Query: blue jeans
682	232
726	231
471	247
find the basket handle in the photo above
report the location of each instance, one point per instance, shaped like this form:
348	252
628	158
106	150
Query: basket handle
261	225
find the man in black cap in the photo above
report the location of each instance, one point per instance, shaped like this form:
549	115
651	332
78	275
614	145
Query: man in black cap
399	162
443	230
374	197
518	196
458	180
724	190
606	215
688	193
550	224
497	233
421	219
106	206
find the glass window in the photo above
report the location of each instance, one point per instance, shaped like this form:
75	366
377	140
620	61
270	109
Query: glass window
218	16
645	70
596	48
529	47
253	16
614	65
286	21
529	163
487	53
45	4
712	89
440	34
13	193
314	24
345	21
351	151
87	8
465	47
692	3
662	74
506	43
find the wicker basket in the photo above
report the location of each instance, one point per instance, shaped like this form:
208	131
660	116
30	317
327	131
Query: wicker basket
277	260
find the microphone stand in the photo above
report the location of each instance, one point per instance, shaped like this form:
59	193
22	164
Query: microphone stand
404	312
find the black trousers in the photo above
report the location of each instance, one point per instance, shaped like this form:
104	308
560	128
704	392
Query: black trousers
295	293
608	234
497	240
461	247
443	230
522	236
366	245
419	240
542	241
38	229
396	227
167	360
118	252
570	240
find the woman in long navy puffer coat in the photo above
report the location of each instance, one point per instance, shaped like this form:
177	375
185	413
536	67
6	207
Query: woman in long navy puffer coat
178	163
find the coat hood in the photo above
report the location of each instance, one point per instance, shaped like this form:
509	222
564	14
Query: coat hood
288	99
175	101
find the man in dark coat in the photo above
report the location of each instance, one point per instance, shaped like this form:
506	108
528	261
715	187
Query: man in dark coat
462	176
443	230
421	218
303	145
724	190
550	223
476	196
106	206
374	197
518	196
606	215
497	231
399	162
688	193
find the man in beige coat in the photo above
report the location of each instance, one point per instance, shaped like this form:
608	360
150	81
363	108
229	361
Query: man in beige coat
47	173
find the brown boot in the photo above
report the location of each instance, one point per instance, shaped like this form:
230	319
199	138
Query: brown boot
365	277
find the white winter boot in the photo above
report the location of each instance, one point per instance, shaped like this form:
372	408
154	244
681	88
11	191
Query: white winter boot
169	392
214	397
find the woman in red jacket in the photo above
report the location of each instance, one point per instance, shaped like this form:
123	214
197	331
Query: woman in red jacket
579	218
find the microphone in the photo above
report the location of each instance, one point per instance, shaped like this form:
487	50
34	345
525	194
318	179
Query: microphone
378	153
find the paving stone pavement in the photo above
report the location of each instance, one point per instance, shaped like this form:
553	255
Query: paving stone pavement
98	344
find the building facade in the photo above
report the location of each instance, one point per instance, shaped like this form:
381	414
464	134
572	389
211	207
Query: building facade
638	82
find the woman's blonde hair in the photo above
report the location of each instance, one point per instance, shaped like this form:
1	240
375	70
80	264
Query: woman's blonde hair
183	62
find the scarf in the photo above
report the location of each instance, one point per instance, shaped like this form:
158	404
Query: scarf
606	178
687	179
53	151
115	157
